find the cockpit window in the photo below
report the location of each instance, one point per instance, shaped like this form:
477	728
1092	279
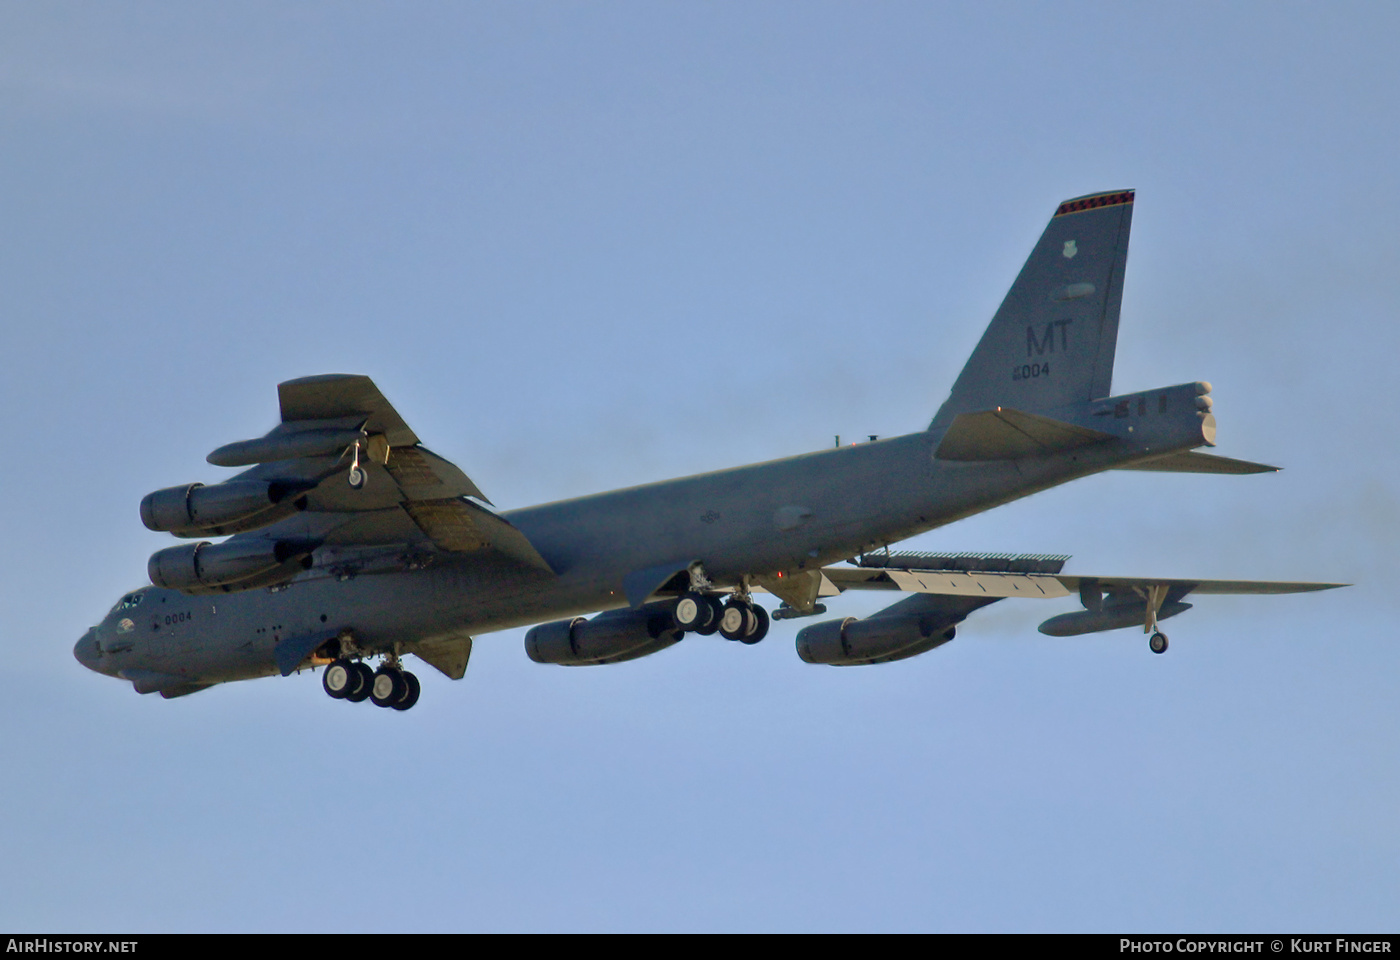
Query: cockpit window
128	602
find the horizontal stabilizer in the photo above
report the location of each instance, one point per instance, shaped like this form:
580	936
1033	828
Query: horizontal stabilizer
1006	434
1192	462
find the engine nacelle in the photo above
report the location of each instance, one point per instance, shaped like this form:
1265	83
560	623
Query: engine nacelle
194	510
852	642
1112	617
204	565
608	638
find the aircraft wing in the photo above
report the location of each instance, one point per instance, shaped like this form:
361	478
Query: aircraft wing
1002	585
351	483
945	589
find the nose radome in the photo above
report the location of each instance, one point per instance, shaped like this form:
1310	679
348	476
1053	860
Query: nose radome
85	650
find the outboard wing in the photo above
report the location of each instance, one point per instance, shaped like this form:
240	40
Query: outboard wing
1020	575
341	482
953	586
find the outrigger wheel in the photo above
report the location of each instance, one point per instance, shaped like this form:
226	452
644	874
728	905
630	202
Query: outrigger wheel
1158	643
357	474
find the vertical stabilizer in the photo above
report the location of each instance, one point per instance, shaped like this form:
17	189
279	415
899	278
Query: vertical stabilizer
1052	341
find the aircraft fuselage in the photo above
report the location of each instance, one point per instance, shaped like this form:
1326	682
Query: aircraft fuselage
788	515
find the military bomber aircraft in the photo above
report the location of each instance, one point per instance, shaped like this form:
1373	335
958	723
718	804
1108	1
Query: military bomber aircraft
348	540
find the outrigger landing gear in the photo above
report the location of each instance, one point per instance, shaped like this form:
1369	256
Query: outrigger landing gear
357	475
1155	594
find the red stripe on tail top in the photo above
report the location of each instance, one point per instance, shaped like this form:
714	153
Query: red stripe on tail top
1095	202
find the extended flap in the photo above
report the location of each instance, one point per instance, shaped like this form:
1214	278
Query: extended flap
423	475
460	526
951	583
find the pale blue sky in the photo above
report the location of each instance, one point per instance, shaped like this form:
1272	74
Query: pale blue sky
581	246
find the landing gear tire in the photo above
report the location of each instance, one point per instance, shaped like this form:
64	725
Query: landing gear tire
389	687
411	697
716	614
366	678
339	679
736	620
693	613
1158	643
759	630
356	478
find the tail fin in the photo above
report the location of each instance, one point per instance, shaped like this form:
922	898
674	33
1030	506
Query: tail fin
1052	341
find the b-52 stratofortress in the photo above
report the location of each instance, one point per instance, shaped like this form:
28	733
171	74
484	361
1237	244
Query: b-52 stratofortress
349	541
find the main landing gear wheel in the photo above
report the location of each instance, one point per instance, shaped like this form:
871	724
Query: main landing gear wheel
389	687
716	615
366	677
1158	643
697	613
340	678
759	630
411	697
736	620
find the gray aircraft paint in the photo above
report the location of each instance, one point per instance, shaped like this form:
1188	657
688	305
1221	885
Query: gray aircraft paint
1046	356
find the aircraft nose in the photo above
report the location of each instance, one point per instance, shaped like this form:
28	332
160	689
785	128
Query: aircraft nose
85	650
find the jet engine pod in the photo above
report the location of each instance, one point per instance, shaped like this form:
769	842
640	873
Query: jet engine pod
851	642
610	637
195	510
197	567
